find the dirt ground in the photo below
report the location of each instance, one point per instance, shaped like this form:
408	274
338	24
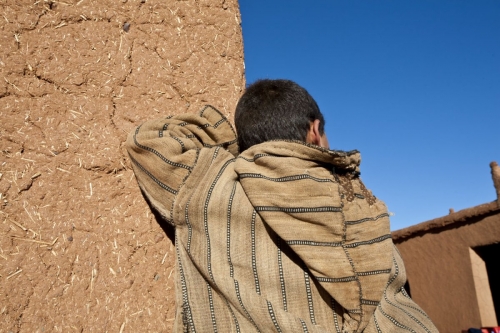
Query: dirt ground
80	251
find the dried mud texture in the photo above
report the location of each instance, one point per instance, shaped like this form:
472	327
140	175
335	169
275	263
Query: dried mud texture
80	250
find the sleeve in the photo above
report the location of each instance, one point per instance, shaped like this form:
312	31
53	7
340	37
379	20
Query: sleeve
164	153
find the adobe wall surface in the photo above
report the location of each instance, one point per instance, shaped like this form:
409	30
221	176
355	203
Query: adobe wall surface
80	250
439	271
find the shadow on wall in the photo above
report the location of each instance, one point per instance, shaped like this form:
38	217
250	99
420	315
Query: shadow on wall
167	228
486	270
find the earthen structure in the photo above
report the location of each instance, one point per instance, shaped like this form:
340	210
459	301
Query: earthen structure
80	250
453	265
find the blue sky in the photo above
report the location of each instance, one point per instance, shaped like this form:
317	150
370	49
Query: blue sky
414	85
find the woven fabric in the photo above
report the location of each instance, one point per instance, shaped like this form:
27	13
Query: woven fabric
282	238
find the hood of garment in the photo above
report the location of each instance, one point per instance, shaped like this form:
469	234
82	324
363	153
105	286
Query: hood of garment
314	200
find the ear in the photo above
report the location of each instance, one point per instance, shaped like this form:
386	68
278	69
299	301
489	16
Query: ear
314	136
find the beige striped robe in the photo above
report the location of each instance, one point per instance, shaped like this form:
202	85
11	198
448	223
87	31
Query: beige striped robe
282	238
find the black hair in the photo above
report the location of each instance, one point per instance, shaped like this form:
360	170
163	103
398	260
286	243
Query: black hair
275	110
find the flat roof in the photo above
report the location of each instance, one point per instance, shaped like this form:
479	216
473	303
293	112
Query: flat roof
452	220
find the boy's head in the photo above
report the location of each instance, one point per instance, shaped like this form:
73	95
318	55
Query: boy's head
276	110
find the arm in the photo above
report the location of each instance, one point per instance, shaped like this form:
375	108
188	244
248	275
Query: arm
164	152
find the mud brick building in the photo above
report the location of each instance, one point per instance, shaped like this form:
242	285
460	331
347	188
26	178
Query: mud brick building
80	250
453	265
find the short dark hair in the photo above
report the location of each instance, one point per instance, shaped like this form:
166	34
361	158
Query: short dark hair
275	110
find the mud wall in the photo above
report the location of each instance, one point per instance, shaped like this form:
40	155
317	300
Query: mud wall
441	274
80	250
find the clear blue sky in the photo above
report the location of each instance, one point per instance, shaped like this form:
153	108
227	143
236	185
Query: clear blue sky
414	85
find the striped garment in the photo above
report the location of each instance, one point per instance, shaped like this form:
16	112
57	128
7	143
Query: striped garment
282	238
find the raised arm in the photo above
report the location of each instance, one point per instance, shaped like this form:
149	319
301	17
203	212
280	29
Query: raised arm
164	152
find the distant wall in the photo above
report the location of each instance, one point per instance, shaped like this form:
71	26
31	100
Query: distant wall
79	248
440	269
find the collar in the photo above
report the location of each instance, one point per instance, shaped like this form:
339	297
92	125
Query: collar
340	161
